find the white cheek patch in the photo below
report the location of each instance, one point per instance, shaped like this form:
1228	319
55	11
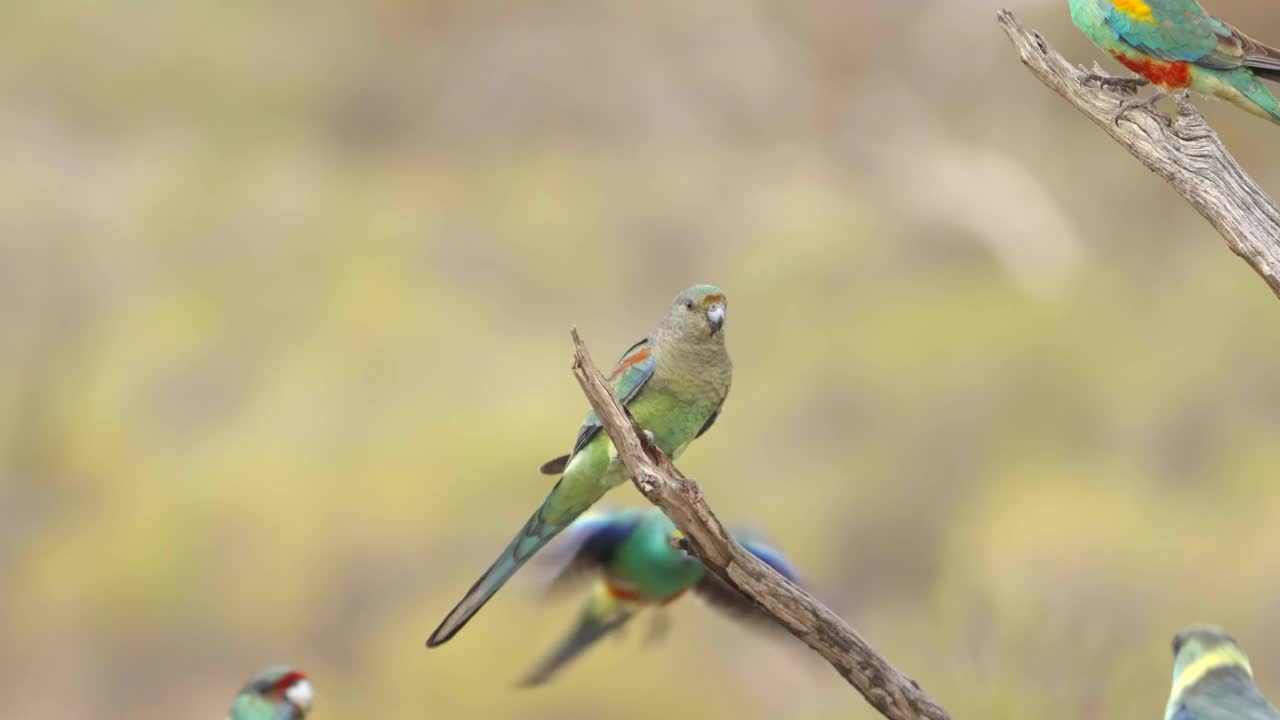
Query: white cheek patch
299	694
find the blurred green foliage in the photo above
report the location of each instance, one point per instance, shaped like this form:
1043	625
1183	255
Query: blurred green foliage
286	297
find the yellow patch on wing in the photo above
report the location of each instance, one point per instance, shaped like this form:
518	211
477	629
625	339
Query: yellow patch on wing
1220	657
1136	9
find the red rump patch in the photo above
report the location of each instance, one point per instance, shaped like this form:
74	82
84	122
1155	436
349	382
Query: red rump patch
1168	75
620	592
284	683
628	361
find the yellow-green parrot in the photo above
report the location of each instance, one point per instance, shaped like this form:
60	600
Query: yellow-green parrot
673	382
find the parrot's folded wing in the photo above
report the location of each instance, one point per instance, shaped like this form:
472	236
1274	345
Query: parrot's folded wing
629	375
1177	34
1263	59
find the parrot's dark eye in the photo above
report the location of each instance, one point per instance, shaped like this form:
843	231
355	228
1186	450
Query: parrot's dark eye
1177	643
688	304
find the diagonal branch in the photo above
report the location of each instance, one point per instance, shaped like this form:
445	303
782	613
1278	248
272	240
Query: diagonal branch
1188	154
892	693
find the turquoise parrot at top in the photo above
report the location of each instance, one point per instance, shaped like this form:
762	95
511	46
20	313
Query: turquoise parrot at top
1175	44
1212	679
277	693
673	383
637	560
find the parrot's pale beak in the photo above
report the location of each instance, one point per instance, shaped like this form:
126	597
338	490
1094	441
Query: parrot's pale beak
715	317
299	694
677	541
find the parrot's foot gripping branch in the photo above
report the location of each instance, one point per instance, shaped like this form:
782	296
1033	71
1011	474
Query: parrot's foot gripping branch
1149	104
692	489
1127	85
649	482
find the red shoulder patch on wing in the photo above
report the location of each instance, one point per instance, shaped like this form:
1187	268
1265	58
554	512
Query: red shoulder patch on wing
1168	75
628	361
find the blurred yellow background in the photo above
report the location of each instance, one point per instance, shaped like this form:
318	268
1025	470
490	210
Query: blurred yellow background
286	290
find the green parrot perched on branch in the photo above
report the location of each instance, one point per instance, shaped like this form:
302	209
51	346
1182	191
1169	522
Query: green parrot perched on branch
277	693
673	383
638	561
1175	44
1212	679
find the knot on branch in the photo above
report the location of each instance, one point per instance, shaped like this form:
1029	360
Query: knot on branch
648	482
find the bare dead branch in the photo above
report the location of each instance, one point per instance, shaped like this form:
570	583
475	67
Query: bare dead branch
1187	154
889	691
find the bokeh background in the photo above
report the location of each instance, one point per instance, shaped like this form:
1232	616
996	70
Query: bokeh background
286	290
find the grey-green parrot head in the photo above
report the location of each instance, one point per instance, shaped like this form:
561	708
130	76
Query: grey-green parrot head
698	313
1201	648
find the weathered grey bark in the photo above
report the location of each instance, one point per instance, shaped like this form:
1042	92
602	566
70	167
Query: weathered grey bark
892	693
1188	154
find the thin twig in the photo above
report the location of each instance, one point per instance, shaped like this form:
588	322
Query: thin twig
889	691
1187	153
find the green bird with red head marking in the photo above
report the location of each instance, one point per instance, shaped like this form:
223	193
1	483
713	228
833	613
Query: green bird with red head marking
277	693
673	382
1175	44
637	560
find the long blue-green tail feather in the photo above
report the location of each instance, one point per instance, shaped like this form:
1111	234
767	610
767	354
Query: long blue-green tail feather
589	630
1260	95
535	533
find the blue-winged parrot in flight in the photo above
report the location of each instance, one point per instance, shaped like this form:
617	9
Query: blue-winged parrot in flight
634	560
